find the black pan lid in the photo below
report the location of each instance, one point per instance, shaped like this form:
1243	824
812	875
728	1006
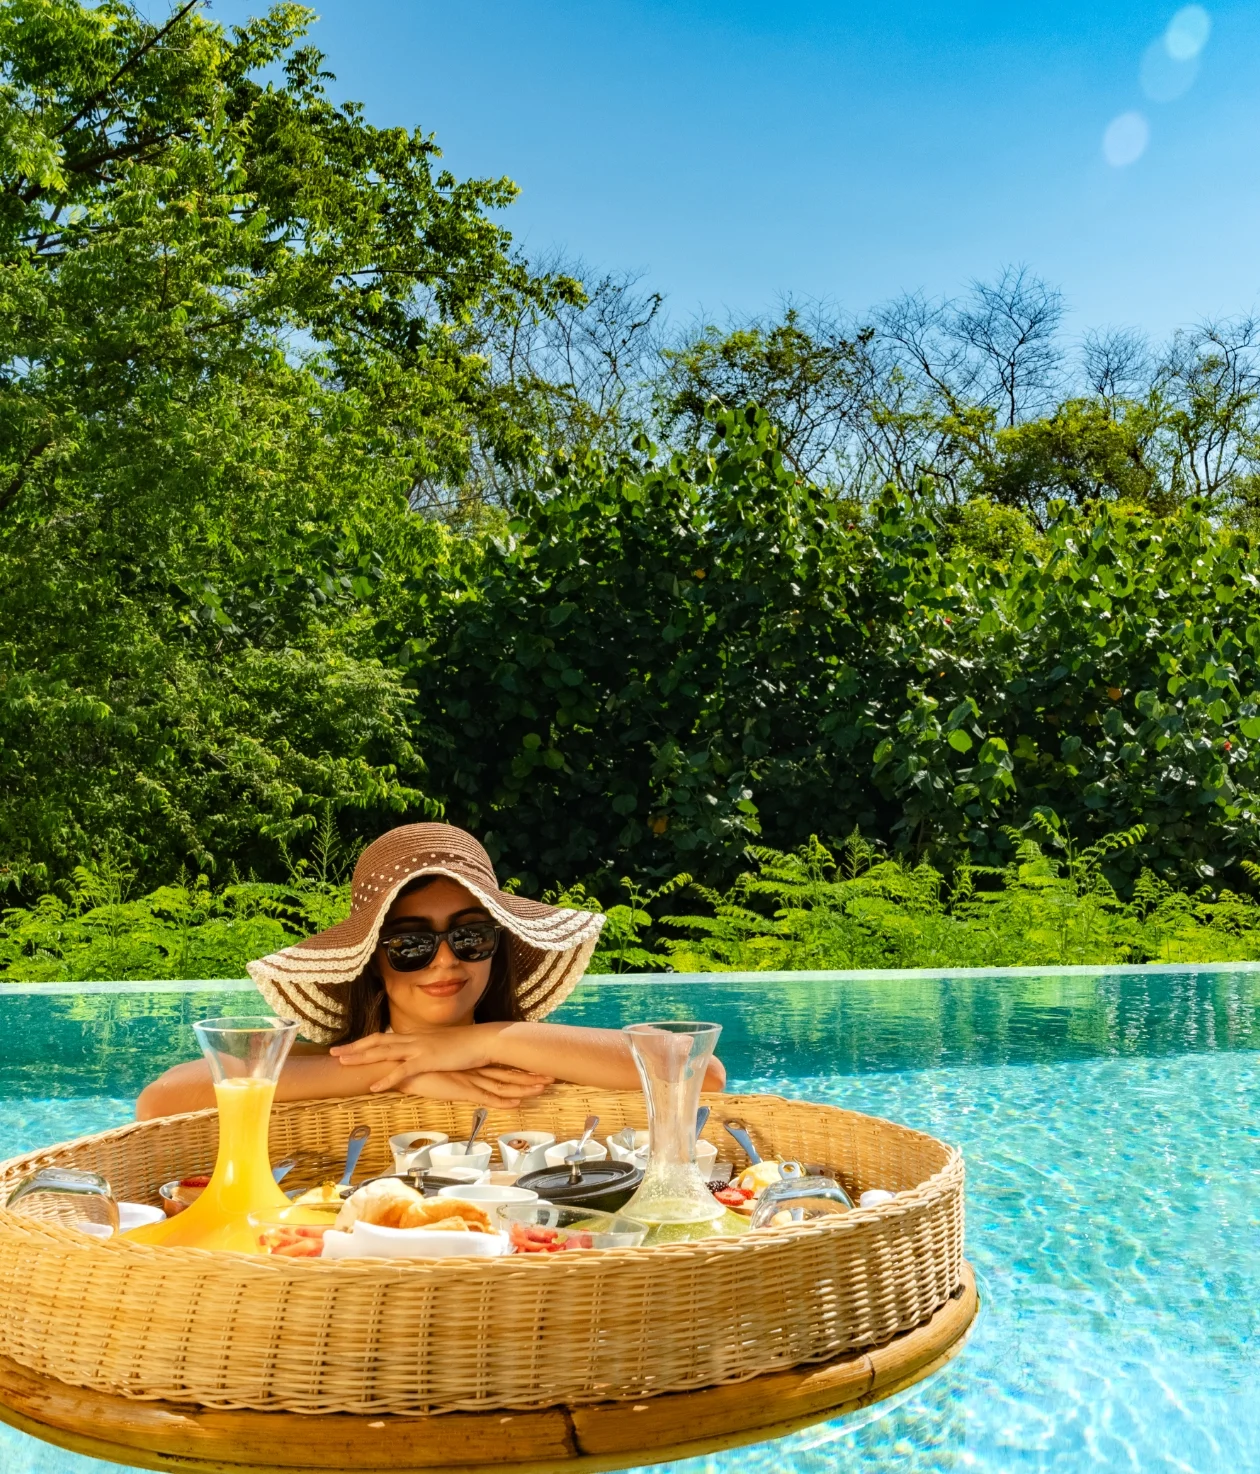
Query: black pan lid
555	1185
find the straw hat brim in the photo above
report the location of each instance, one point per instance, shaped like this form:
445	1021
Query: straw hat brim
551	947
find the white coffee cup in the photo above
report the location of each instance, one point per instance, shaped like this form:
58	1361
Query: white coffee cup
528	1159
595	1151
411	1149
456	1154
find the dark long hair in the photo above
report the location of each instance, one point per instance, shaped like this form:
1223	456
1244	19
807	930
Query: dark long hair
368	1003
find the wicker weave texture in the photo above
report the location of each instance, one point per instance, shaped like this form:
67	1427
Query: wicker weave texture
369	1336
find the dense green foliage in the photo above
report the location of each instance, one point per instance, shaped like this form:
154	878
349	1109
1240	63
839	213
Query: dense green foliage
667	657
228	352
318	504
810	909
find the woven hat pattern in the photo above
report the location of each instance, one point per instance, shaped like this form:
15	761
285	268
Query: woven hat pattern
551	945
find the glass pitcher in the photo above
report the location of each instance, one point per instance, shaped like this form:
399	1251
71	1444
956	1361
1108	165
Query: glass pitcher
672	1059
245	1055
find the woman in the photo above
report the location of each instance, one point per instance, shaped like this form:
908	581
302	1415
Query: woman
433	985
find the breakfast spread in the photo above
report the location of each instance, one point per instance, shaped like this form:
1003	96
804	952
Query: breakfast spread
573	1202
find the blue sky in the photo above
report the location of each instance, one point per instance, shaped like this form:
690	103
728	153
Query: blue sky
736	153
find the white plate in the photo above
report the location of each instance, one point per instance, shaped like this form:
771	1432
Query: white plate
371	1241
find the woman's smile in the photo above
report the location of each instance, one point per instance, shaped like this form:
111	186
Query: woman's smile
446	988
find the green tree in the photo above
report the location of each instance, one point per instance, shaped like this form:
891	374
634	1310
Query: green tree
230	354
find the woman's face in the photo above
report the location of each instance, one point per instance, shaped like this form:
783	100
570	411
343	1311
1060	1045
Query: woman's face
447	991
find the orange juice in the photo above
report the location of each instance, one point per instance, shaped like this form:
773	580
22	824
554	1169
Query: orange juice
242	1182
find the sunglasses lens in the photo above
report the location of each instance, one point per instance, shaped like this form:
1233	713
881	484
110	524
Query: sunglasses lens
475	943
411	951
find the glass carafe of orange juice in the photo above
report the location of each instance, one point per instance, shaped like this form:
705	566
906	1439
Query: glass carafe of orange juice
245	1056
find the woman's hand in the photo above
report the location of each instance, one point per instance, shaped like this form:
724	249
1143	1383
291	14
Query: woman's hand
488	1087
462	1047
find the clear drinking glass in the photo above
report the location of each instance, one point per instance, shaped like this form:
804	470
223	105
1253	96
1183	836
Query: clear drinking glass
69	1197
672	1059
245	1055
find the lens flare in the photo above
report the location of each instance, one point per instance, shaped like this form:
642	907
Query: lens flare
1125	140
1164	78
1187	33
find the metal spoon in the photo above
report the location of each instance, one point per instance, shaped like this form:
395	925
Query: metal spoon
578	1155
354	1150
740	1133
282	1169
624	1138
479	1120
702	1117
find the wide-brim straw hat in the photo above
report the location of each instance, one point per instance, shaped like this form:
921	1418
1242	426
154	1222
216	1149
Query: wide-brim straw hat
551	945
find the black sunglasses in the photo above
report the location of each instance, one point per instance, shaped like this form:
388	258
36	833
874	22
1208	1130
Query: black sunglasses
472	941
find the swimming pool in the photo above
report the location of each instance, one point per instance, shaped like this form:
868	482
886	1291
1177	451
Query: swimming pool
1111	1124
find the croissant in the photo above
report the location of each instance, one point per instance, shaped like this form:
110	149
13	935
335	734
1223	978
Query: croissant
446	1213
385	1201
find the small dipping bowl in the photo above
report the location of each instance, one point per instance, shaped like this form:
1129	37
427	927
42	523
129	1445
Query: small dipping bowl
487	1194
595	1151
531	1227
527	1158
412	1149
175	1198
636	1153
456	1154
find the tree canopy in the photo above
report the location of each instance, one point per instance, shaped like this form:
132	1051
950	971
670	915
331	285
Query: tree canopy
232	346
320	504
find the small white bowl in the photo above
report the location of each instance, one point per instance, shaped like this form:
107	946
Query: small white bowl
636	1153
532	1159
411	1149
488	1192
706	1153
595	1151
370	1240
456	1154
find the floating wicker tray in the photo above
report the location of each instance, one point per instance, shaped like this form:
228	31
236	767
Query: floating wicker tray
402	1340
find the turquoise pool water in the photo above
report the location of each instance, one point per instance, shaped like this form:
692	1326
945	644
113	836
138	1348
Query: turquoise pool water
1112	1131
